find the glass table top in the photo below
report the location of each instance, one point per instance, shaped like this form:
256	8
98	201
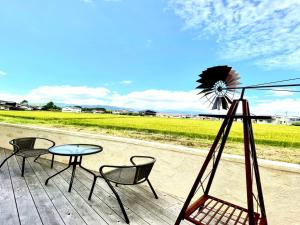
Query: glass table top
75	149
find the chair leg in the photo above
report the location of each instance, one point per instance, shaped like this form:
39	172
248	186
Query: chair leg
119	201
93	186
7	159
52	161
36	158
23	166
152	189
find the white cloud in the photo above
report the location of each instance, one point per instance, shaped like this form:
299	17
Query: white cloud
2	73
81	95
160	100
281	93
126	82
278	106
266	31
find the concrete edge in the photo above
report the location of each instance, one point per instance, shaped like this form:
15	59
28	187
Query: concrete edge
289	167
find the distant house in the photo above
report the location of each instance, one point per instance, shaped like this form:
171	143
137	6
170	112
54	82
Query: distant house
286	120
24	107
163	115
71	109
120	112
7	105
264	121
98	111
147	113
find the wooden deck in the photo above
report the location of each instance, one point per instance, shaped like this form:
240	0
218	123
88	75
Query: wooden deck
26	200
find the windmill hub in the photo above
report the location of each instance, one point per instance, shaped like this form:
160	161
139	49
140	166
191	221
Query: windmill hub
219	88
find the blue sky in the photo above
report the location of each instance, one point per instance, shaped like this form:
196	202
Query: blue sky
144	53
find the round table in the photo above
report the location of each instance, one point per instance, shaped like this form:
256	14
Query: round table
75	152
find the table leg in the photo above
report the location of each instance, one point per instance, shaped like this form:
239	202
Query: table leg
75	162
87	170
57	173
70	163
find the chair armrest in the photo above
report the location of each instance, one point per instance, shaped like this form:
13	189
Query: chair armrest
14	145
52	142
142	157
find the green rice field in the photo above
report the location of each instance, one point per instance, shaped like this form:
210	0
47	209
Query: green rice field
277	136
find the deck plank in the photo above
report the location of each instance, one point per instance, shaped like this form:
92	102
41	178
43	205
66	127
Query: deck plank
28	213
85	211
83	185
136	213
8	209
45	207
54	205
63	205
167	207
142	207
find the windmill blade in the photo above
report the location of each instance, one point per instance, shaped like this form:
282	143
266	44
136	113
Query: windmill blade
232	79
216	103
224	103
228	99
204	91
215	81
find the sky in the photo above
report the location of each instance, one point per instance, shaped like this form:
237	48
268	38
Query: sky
146	54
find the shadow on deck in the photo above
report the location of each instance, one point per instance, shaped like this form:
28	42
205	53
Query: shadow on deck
26	200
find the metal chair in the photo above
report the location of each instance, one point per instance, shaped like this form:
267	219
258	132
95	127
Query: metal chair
126	175
25	147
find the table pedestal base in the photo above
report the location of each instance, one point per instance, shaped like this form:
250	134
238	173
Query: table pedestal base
74	163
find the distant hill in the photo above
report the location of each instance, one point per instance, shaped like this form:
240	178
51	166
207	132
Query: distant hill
107	107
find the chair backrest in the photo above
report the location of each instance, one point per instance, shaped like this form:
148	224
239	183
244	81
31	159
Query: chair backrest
142	172
23	143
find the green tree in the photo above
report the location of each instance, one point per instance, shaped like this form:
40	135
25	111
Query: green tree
24	102
50	106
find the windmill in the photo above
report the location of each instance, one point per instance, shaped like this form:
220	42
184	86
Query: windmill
218	85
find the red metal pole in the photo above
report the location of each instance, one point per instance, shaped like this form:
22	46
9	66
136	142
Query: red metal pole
248	164
206	162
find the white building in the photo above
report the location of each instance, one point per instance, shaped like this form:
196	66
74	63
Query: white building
97	111
120	112
286	120
71	109
25	107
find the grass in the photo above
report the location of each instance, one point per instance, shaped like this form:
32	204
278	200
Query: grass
276	142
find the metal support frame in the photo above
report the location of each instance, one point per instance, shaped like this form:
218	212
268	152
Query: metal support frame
119	200
52	160
7	158
74	163
93	186
23	161
250	153
152	189
115	192
17	149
